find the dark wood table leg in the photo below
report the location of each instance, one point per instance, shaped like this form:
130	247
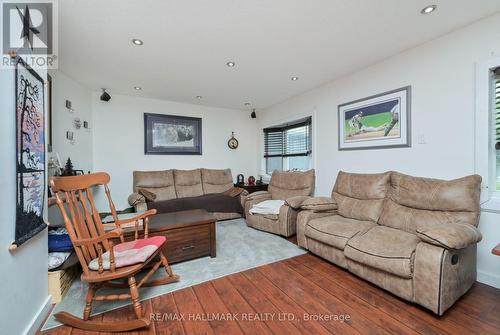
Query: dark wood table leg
213	244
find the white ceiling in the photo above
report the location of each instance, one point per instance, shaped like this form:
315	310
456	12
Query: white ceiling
188	42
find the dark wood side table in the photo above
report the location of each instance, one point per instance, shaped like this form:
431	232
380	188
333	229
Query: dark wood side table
253	188
496	250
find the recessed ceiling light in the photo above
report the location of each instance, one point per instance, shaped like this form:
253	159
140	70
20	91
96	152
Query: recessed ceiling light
294	78
247	104
428	9
199	97
138	88
231	64
137	41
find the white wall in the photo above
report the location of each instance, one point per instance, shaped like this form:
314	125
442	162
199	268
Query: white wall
442	76
23	272
119	141
65	88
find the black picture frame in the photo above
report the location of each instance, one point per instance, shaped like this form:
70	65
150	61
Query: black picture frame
188	129
30	152
49	141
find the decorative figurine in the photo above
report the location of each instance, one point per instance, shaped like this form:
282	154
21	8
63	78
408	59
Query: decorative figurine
68	169
251	180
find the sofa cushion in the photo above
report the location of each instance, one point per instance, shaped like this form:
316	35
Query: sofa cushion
284	185
365	210
216	181
188	183
150	196
319	204
411	219
335	230
362	186
384	248
161	183
361	196
458	195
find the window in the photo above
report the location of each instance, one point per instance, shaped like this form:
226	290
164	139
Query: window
288	147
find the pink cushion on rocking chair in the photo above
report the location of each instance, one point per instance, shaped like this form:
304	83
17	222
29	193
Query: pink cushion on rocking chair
130	253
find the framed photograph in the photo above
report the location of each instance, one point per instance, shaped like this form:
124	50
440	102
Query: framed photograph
376	122
30	152
172	135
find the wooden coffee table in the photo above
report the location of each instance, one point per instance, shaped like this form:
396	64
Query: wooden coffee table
190	234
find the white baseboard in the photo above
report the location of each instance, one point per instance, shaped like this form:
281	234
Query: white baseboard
37	320
488	279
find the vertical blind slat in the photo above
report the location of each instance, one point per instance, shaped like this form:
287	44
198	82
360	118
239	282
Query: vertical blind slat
497	107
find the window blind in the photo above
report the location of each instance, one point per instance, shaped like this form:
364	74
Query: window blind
497	112
289	140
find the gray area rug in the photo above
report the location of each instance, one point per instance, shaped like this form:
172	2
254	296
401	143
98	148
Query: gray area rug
239	248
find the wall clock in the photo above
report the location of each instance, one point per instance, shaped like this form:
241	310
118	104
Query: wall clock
233	142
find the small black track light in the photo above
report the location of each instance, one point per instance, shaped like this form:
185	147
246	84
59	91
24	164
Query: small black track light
105	95
253	115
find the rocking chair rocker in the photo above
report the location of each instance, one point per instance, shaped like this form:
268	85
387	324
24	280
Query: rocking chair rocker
104	263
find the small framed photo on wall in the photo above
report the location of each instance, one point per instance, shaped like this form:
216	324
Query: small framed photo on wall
376	122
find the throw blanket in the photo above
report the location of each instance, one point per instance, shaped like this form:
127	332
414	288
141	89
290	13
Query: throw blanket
213	203
267	207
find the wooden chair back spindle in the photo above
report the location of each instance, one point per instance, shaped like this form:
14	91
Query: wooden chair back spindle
83	220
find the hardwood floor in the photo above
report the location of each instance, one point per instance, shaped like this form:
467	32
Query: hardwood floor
277	299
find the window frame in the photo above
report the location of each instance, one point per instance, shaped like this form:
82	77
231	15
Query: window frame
485	134
288	124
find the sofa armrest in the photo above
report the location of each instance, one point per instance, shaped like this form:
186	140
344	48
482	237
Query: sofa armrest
296	202
264	195
319	204
251	200
135	198
451	236
243	198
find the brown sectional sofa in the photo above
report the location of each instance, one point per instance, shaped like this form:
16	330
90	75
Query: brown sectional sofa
415	237
170	185
294	188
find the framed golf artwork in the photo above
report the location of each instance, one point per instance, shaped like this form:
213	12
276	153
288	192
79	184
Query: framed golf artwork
376	122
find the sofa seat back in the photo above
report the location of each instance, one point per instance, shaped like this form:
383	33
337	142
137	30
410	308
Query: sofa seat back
415	203
216	181
188	183
284	185
160	183
361	196
173	184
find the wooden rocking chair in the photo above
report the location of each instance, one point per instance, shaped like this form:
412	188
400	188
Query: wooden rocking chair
102	262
